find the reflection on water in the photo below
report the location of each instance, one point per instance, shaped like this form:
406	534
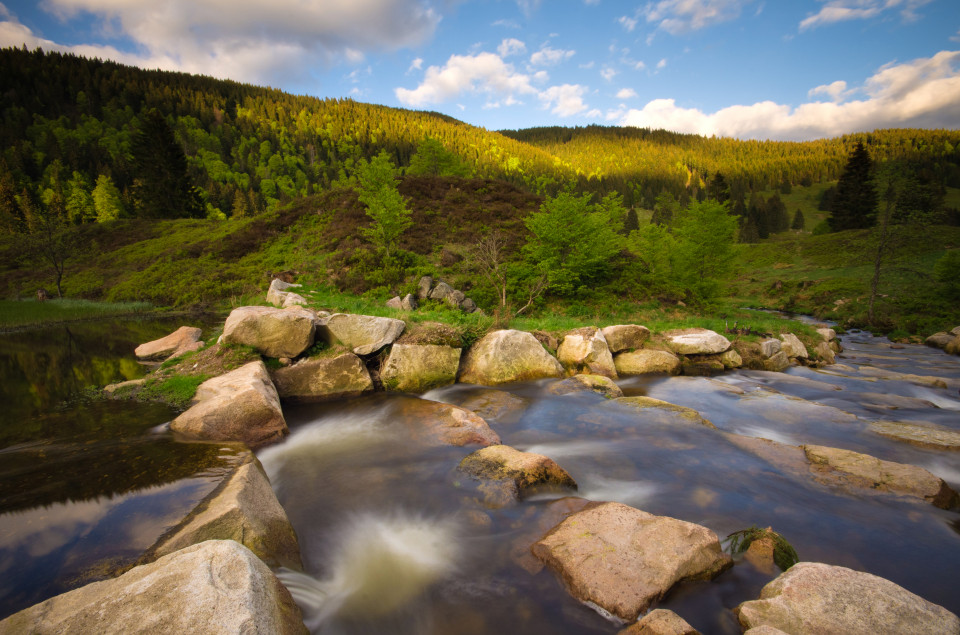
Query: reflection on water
349	472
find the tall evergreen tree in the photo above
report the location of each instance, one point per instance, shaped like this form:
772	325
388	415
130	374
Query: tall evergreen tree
798	221
163	187
854	204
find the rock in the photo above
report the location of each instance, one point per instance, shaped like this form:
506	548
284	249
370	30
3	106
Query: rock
585	349
818	598
702	365
764	630
760	554
939	340
697	341
925	435
395	303
823	352
241	405
455	297
468	305
955	331
441	291
419	367
277	293
647	361
660	622
872	473
827	334
183	340
507	356
245	509
409	303
273	332
770	347
217	586
549	341
424	287
527	472
953	348
294	299
323	379
498	406
623	560
365	334
436	423
731	359
581	383
625	337
112	389
777	363
675	412
793	347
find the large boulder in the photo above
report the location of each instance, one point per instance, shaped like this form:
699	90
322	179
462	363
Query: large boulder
939	340
420	367
647	361
273	332
818	598
424	287
824	353
245	509
924	435
585	350
506	356
793	347
770	347
524	473
663	411
778	362
323	379
828	334
435	423
441	291
870	472
623	560
183	340
218	586
660	622
625	337
241	405
696	341
365	334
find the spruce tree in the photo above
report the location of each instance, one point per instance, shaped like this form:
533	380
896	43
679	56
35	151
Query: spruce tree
163	187
854	204
798	220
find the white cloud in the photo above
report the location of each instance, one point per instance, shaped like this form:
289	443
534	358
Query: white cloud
511	46
626	93
588	65
662	63
528	6
843	10
416	64
593	114
608	73
481	73
683	16
547	56
628	23
566	99
955	38
639	66
507	24
246	40
918	94
836	90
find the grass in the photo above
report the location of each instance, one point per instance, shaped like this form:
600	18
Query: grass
16	314
176	390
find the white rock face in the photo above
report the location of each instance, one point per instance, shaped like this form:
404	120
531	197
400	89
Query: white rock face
624	337
507	356
793	347
217	587
697	342
242	405
273	332
183	340
585	350
647	361
817	598
365	334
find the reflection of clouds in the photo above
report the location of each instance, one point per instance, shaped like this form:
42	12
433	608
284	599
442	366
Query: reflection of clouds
42	530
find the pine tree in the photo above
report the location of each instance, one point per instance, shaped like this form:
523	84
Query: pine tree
854	204
798	222
163	188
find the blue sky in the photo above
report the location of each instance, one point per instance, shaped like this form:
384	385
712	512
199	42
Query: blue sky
743	68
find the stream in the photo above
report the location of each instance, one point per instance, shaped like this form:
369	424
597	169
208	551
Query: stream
395	539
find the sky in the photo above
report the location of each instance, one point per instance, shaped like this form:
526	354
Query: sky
750	69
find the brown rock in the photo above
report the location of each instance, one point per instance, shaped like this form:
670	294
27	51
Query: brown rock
585	350
580	383
183	340
273	332
926	434
660	622
495	405
939	340
793	347
647	361
418	368
323	379
507	356
365	334
823	352
663	410
624	337
528	472
777	363
438	423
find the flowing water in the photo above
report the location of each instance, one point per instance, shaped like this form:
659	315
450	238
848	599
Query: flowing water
395	539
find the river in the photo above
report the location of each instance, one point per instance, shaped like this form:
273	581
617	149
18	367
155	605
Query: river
395	539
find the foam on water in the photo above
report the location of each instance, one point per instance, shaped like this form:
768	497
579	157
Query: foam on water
766	433
599	488
567	448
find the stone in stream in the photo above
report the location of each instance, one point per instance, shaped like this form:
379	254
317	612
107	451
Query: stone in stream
519	473
436	423
582	383
585	350
647	361
696	341
793	347
365	334
811	597
323	379
660	622
507	356
215	587
498	406
273	332
828	334
770	347
823	352
731	359
922	434
418	368
777	363
663	411
183	340
243	508
241	405
625	337
939	340
621	560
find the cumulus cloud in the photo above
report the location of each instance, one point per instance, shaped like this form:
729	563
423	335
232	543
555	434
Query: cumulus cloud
416	64
511	46
566	100
836	90
547	56
608	73
626	93
922	93
628	23
842	10
249	40
683	16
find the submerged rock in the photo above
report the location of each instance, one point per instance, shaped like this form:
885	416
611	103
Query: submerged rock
674	412
507	356
927	435
647	361
216	587
495	405
818	598
625	337
183	340
241	405
622	560
438	423
323	379
273	332
365	334
581	383
660	622
419	367
524	472
585	350
697	341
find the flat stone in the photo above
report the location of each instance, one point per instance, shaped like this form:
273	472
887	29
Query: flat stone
529	473
365	334
184	339
926	435
817	598
697	341
647	361
417	368
585	350
625	337
245	509
507	356
582	383
216	587
793	347
241	405
673	412
623	560
272	332
660	622
323	379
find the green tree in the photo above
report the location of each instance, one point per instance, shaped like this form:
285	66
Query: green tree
432	159
854	204
11	216
653	246
79	202
240	208
387	209
664	209
163	187
798	221
106	200
705	234
51	238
